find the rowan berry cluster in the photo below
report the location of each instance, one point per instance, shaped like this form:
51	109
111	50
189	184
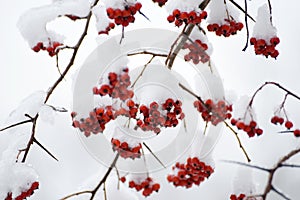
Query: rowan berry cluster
250	128
229	28
126	16
214	112
108	28
288	124
25	194
117	87
148	186
153	119
196	52
51	49
192	172
96	121
266	48
124	150
235	197
280	120
160	2
193	17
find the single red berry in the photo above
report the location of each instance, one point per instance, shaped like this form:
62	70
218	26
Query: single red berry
288	124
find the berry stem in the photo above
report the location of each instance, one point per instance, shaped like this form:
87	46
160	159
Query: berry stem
227	125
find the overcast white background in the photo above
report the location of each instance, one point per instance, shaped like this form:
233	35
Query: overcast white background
23	72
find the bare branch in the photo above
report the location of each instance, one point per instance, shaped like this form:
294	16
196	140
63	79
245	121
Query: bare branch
17	124
46	150
149	149
247	165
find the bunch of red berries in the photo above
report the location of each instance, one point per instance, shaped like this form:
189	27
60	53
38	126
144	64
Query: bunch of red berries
229	28
280	120
108	28
235	197
214	112
197	52
263	47
153	119
288	124
126	16
148	186
51	49
96	121
25	194
160	2
192	17
192	172
125	150
117	87
251	129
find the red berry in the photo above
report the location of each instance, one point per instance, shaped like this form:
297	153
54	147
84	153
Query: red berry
288	124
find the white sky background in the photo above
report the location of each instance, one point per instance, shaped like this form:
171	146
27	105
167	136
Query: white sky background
24	71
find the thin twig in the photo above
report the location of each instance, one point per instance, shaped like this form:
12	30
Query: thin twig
46	150
241	9
104	191
118	175
247	165
17	124
246	24
30	142
149	149
94	191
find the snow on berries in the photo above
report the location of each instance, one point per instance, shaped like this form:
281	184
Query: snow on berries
24	194
147	186
181	17
157	116
223	19
118	86
193	172
230	27
52	47
264	37
126	151
214	112
103	23
96	121
124	14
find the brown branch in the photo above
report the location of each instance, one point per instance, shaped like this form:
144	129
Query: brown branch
170	60
216	114
58	81
103	180
30	142
269	186
75	51
16	124
276	84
